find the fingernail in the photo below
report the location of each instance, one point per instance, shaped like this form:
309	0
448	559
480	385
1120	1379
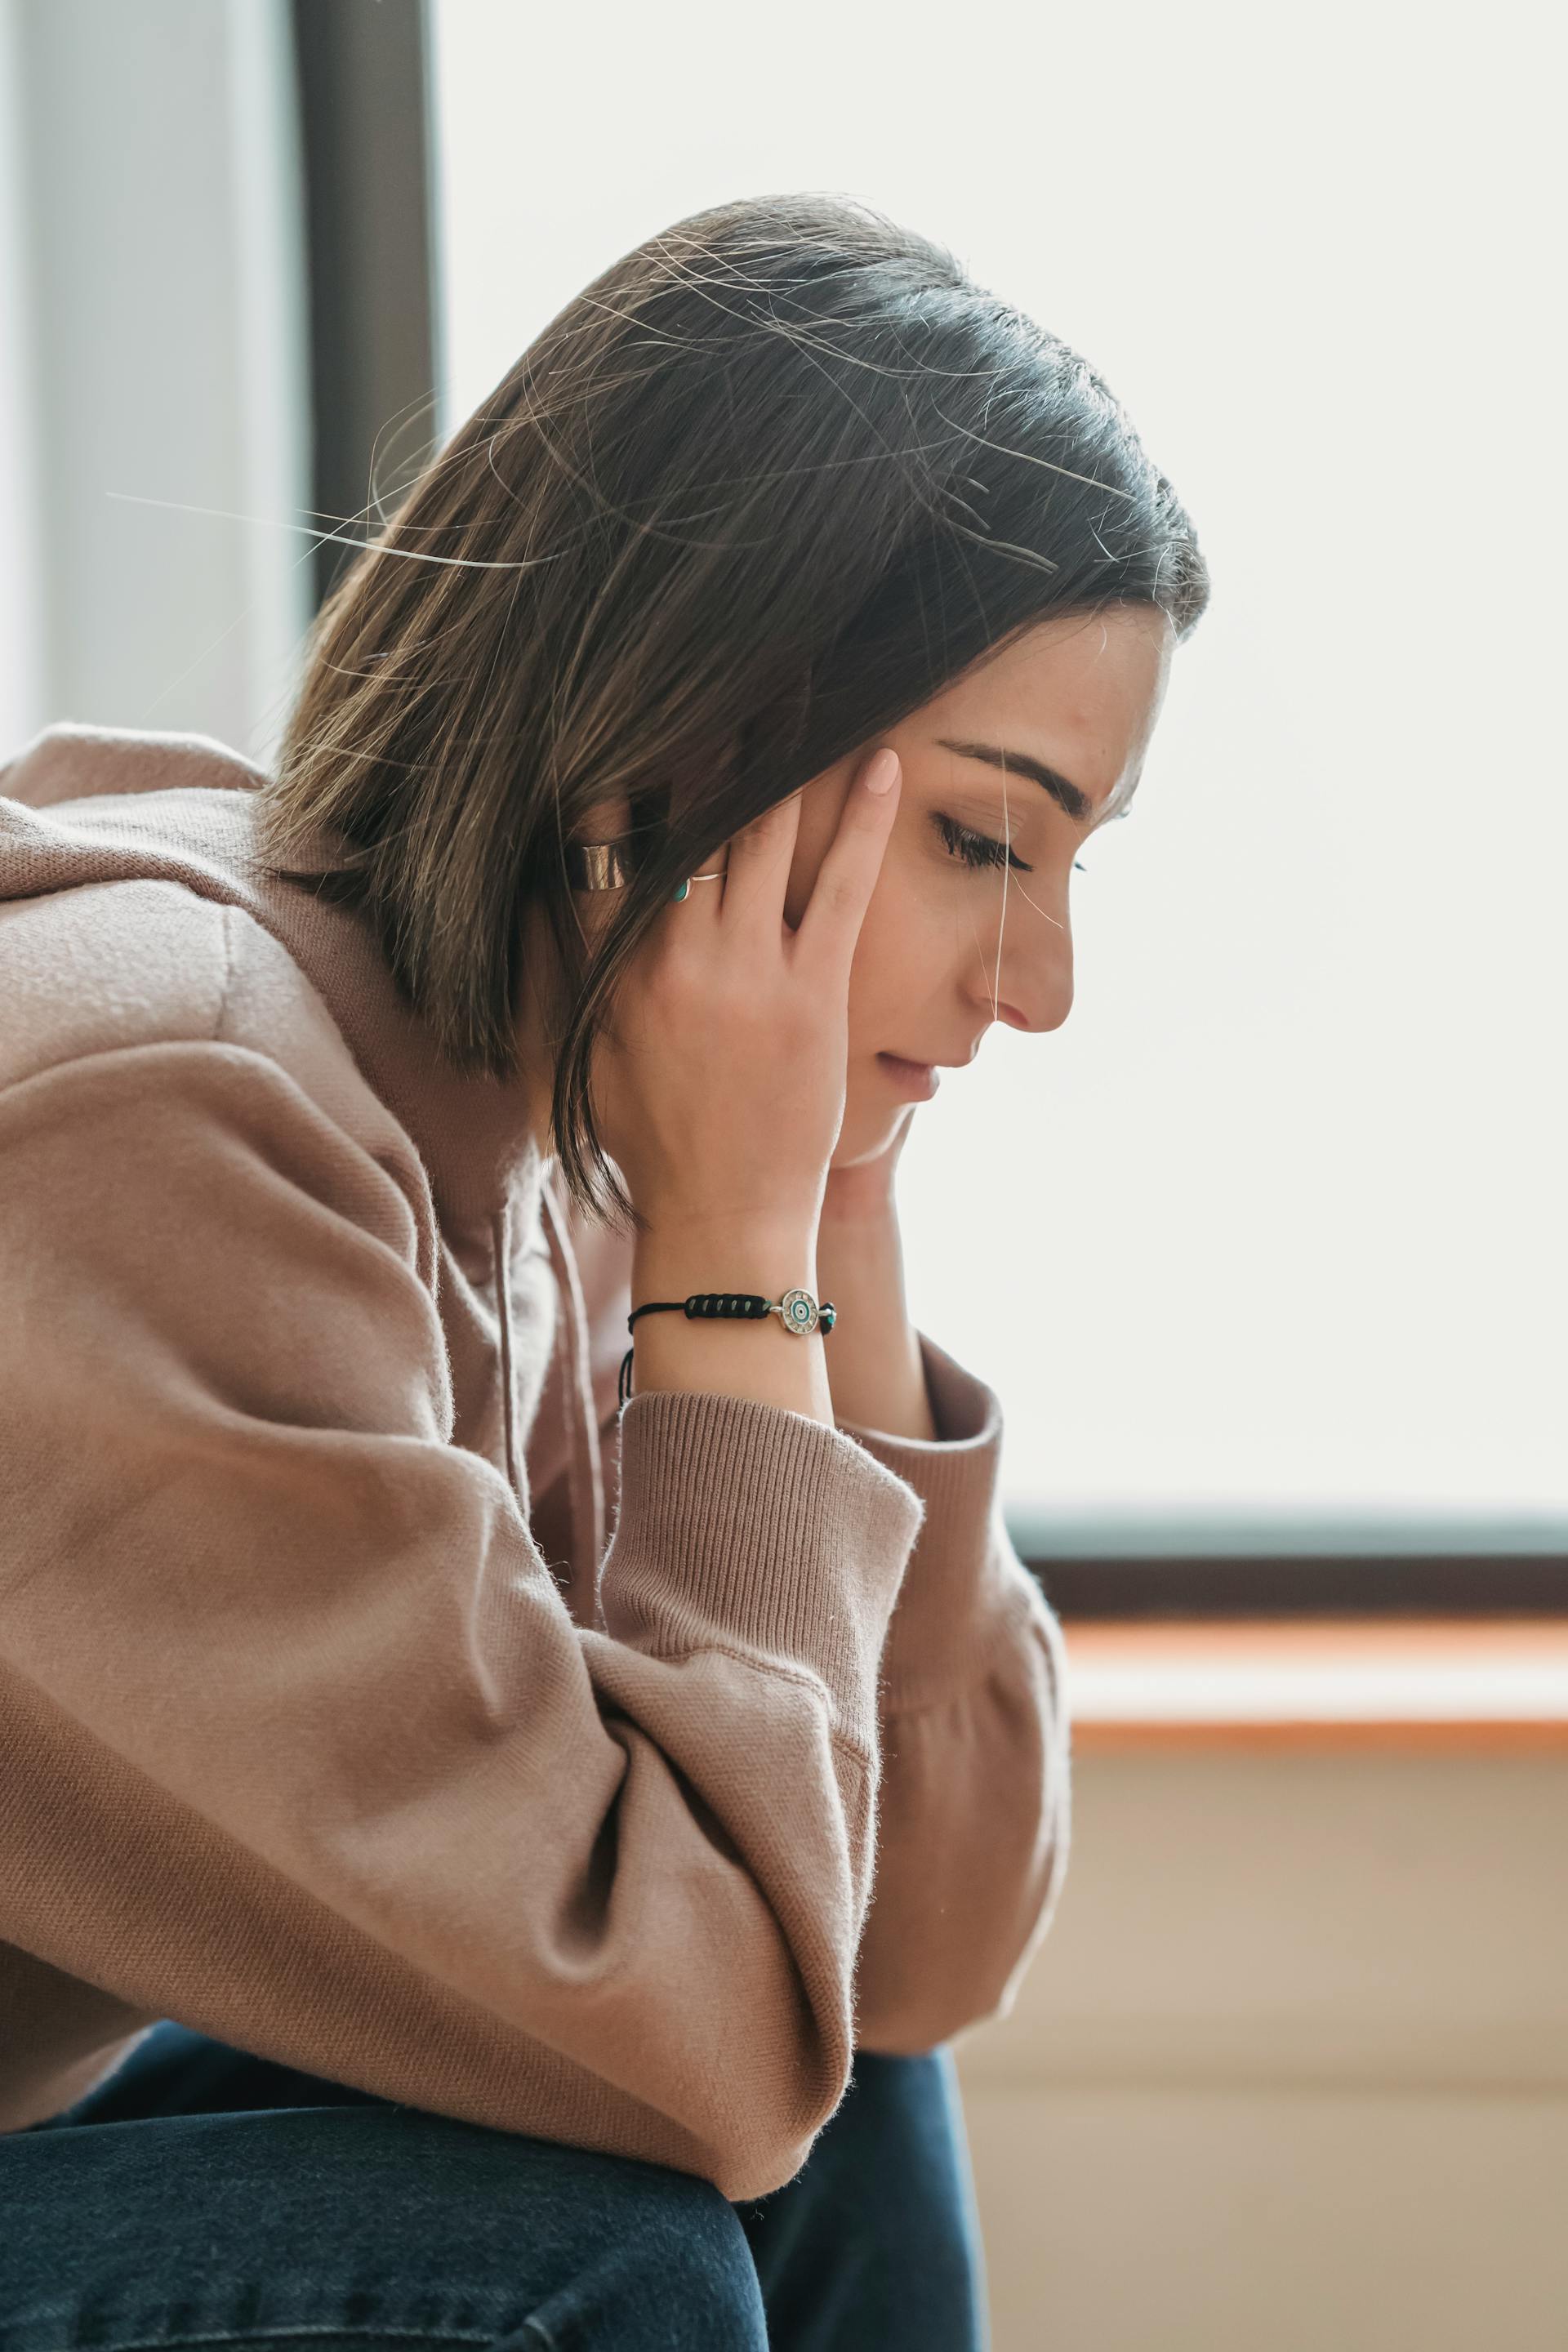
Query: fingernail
883	768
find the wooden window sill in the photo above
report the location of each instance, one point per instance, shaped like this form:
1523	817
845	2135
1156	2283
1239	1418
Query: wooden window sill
1429	1683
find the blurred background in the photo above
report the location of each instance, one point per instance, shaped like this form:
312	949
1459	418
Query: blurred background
1287	1439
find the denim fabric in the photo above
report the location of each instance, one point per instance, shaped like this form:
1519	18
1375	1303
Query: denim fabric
206	2197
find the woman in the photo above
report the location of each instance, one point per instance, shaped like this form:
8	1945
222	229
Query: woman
542	1940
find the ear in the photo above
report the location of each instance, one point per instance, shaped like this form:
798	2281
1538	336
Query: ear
604	820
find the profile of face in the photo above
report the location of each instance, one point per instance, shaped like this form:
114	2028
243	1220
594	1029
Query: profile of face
1005	773
969	922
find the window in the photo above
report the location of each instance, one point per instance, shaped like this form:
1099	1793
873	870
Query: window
1310	1097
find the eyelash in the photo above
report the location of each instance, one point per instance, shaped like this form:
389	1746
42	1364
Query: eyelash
979	849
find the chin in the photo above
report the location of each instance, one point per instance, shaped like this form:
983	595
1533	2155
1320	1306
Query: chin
866	1132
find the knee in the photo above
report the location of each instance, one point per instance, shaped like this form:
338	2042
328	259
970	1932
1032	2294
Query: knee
676	2268
713	2283
696	2255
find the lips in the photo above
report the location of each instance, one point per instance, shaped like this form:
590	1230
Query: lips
917	1079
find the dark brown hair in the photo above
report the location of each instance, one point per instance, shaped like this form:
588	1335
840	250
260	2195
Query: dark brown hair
764	487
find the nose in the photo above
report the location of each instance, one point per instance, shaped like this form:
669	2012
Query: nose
1043	968
1055	1004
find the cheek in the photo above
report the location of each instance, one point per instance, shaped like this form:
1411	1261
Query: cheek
898	957
907	933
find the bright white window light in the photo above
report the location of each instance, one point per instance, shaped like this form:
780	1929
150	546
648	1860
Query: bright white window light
1274	1225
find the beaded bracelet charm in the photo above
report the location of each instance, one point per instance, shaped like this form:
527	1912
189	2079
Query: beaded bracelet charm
797	1310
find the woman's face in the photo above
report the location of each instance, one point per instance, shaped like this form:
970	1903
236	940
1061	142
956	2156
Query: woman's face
948	947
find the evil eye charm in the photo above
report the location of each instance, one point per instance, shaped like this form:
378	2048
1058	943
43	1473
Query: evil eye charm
798	1311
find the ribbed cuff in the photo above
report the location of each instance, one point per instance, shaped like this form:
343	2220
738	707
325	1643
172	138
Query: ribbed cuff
743	1526
962	1584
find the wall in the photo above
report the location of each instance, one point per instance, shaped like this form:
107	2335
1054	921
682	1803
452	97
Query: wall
1291	2068
151	294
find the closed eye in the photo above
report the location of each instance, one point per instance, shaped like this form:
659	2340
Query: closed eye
977	849
981	849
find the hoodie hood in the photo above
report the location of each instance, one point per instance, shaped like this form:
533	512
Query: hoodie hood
83	806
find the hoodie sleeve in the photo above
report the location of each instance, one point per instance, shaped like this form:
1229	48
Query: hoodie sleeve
975	1794
302	1746
974	1803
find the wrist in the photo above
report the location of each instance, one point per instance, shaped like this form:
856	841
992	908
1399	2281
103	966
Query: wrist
861	1246
845	1228
857	1196
676	1260
727	1227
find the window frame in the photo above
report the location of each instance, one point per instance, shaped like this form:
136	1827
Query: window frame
370	151
367	151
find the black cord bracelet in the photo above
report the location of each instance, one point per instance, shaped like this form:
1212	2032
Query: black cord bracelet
797	1310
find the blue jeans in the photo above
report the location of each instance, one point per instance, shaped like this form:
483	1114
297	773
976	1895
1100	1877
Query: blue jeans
206	2197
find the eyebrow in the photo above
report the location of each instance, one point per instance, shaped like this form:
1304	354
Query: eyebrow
1066	795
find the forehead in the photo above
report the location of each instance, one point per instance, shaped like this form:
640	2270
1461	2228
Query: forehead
1085	668
1080	692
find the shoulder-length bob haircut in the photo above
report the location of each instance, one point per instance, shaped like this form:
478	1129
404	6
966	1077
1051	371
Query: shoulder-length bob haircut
764	487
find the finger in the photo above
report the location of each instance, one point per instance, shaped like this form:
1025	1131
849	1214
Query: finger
706	889
842	891
761	857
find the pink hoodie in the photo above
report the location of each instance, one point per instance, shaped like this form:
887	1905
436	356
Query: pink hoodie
374	1695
